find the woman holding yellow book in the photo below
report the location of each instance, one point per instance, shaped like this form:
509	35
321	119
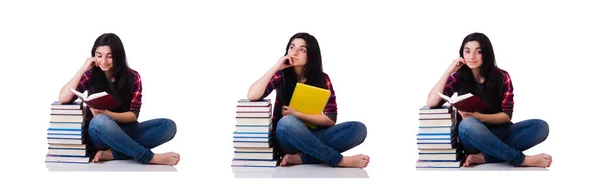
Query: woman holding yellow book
115	133
308	138
489	136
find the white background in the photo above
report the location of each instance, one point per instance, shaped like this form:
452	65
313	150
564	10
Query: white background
197	59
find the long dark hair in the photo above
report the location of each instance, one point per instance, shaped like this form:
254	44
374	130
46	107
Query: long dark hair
492	86
121	70
313	70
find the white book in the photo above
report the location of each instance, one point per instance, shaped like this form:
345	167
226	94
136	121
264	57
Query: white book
67	159
64	141
251	144
262	156
259	139
69	152
253	163
250	149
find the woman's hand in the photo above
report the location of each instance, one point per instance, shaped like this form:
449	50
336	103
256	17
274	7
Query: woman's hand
96	112
286	110
89	64
285	62
456	64
465	115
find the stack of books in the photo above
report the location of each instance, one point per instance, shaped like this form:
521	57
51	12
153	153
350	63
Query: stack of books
437	139
253	145
66	134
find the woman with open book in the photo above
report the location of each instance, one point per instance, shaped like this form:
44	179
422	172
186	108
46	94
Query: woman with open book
115	132
307	138
489	136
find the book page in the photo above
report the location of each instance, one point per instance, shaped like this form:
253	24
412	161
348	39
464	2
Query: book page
444	97
96	95
462	97
82	97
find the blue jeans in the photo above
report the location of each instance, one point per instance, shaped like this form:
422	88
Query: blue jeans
319	145
503	142
131	140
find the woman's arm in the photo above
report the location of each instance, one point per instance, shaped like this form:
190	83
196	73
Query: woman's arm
433	100
498	118
257	89
66	96
121	117
320	120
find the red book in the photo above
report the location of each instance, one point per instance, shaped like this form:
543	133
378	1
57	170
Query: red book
100	100
467	102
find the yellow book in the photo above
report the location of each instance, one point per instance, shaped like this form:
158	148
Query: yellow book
309	99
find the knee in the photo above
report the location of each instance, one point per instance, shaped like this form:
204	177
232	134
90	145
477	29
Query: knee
542	127
469	125
169	127
289	124
360	131
101	123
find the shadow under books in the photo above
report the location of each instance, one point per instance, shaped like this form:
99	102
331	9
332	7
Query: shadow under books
299	171
113	165
487	167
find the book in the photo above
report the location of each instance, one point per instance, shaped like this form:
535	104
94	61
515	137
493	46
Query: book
252	150
467	102
440	110
435	116
253	163
254	103
309	99
67	159
252	144
439	164
253	121
253	155
253	108
76	105
101	100
253	115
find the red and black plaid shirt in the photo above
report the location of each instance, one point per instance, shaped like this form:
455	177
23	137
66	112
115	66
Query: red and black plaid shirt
136	100
276	80
507	90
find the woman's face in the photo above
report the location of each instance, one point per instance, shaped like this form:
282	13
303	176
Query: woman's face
472	54
103	56
298	52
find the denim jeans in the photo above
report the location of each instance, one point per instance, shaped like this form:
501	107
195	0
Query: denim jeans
503	142
131	140
319	145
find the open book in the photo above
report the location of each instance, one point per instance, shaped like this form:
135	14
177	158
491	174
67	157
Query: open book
100	100
467	102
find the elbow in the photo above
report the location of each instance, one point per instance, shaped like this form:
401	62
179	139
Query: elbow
432	103
64	99
253	96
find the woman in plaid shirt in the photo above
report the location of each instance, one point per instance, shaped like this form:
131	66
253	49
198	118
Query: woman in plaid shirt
320	140
115	133
489	136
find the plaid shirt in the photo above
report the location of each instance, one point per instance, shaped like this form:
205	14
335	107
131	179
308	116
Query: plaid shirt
331	106
136	101
507	90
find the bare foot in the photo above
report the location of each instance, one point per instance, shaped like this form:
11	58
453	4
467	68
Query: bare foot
291	159
474	159
539	160
358	161
105	155
169	158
